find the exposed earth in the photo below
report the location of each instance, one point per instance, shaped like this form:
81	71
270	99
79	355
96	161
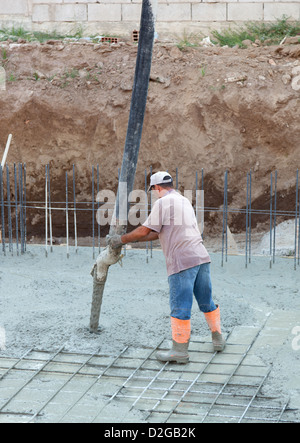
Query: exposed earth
214	108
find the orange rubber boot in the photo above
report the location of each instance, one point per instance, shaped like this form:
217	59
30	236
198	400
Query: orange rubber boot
214	322
181	333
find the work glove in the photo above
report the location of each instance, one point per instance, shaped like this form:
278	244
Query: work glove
114	241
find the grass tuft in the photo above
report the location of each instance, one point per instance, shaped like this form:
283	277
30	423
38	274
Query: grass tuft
268	33
14	34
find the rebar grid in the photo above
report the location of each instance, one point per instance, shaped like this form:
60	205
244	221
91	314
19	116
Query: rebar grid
16	208
211	388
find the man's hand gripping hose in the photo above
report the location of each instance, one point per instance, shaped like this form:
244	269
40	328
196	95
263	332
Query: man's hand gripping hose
107	258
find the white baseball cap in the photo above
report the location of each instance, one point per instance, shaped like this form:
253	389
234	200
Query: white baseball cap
160	178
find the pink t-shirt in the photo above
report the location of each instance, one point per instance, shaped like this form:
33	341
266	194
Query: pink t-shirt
173	218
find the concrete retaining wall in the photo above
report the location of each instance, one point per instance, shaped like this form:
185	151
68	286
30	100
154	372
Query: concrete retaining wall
122	16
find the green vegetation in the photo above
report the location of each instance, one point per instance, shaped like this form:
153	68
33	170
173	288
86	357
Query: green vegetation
72	74
14	34
203	71
232	38
268	33
4	54
3	58
189	41
276	31
11	78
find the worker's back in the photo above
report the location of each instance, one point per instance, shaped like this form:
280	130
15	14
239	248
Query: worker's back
173	217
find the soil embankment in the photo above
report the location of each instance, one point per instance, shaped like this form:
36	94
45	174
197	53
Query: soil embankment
212	108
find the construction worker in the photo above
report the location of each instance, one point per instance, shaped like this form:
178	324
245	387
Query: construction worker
173	222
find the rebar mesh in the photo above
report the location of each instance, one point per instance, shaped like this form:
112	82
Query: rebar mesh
62	386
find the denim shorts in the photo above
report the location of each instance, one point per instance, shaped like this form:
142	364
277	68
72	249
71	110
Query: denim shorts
184	285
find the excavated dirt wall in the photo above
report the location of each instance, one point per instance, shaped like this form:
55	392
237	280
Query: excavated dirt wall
213	108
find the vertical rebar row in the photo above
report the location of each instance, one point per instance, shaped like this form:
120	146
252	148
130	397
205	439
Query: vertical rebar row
151	243
201	203
248	248
298	234
146	215
296	218
119	174
250	215
10	235
25	207
226	219
98	206
16	230
271	218
50	208
20	172
46	211
2	211
67	216
93	209
75	214
224	233
197	203
16	208
275	218
247	222
202	189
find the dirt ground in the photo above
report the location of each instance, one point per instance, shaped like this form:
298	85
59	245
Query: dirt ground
213	108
